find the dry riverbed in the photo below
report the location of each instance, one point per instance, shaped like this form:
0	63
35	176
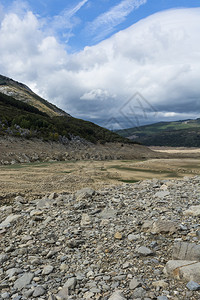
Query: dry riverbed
34	179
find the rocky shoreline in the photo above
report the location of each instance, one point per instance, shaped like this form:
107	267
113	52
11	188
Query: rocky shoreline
20	150
135	241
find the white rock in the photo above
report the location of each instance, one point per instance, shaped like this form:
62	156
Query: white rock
85	220
162	194
186	251
183	269
6	209
117	296
9	220
193	211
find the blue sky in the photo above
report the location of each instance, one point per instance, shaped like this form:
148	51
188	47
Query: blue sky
90	57
84	17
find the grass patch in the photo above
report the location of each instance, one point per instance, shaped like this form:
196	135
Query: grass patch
173	175
191	166
129	180
14	167
120	168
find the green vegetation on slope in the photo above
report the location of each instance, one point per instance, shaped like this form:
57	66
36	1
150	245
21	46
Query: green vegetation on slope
21	119
184	133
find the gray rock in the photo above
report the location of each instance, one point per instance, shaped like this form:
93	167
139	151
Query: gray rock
43	203
186	251
144	251
186	270
108	213
3	258
20	199
13	271
71	283
52	297
39	291
17	297
162	194
134	283
162	298
63	294
85	220
9	220
6	210
133	237
161	226
117	296
5	295
28	293
139	293
24	280
193	286
193	211
47	270
85	192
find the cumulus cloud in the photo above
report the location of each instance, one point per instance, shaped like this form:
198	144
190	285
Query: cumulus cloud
97	95
156	59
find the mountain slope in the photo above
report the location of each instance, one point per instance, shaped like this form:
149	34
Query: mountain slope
23	93
183	133
19	118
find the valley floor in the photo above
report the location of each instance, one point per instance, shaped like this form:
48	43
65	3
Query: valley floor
37	179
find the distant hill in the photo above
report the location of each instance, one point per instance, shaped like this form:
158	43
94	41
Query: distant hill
21	92
25	114
183	133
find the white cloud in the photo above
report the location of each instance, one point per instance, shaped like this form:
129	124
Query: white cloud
170	114
106	22
66	20
158	57
97	95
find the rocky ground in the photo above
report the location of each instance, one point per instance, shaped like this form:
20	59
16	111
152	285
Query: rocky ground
20	150
135	241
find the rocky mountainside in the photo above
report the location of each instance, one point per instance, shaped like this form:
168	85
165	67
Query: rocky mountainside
22	118
21	92
183	133
139	241
19	150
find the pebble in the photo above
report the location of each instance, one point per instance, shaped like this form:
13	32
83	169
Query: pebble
38	291
193	286
144	251
118	235
47	270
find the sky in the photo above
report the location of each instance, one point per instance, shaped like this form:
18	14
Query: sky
119	64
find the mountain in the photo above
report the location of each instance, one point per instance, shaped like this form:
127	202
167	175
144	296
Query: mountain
25	114
183	133
21	92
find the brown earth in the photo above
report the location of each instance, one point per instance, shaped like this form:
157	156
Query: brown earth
36	179
83	166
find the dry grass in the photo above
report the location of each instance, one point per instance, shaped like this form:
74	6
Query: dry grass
180	150
37	179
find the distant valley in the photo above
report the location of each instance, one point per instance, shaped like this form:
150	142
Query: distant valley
183	133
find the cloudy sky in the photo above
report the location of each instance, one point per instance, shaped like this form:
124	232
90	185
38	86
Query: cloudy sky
119	63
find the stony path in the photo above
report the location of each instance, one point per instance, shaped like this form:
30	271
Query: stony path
139	241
